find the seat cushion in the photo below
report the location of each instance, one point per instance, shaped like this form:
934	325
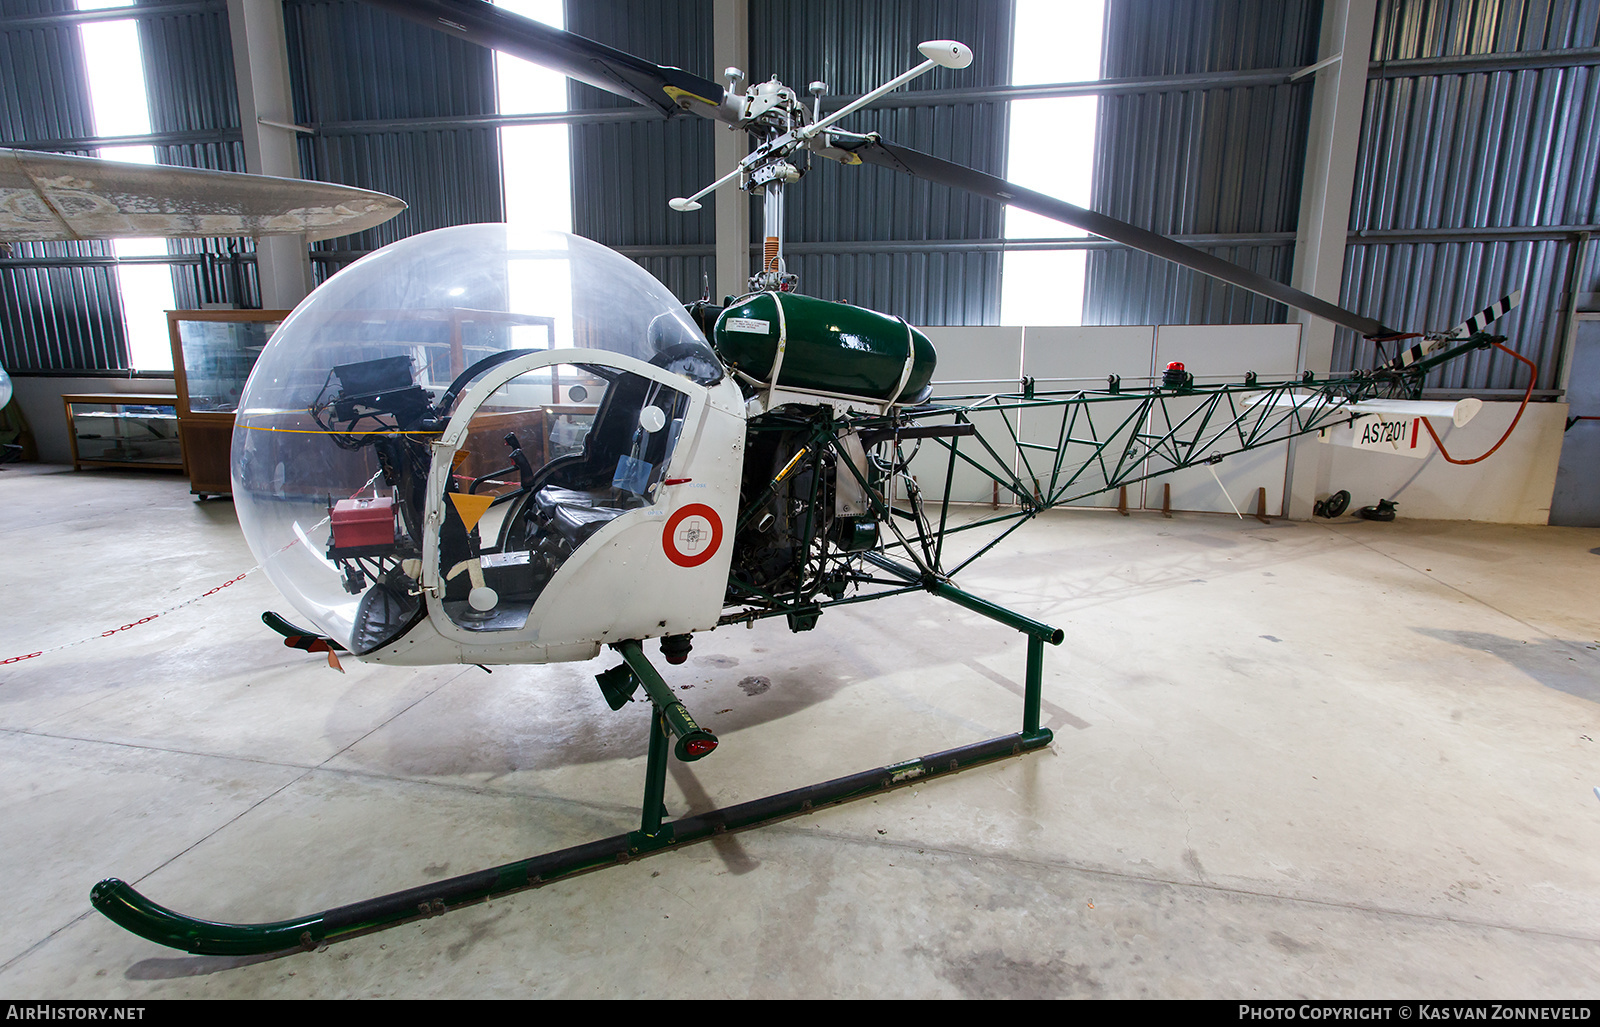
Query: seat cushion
577	523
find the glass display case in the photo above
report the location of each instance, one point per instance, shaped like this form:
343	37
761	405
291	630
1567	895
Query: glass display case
213	352
123	430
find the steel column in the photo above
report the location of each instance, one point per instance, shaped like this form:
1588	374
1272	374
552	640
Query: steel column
261	67
1325	197
730	47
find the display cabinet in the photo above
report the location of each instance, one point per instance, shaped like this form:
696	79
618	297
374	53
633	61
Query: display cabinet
213	352
123	430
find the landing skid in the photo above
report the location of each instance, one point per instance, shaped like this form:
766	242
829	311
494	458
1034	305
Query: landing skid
127	907
296	637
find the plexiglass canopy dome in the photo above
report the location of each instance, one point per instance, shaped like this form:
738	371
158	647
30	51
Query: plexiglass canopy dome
346	399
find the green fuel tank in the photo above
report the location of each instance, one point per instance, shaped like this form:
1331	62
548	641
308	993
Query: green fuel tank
825	347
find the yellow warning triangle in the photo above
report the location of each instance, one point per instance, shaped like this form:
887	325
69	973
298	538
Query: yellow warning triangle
470	507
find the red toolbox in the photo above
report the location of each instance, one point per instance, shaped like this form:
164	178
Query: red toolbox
363	522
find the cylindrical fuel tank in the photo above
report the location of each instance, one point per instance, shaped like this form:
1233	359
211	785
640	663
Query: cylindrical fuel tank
826	347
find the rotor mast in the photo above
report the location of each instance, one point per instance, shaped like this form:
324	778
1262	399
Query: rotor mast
773	274
786	134
773	112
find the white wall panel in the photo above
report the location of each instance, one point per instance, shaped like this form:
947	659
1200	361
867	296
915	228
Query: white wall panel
1060	359
1216	354
972	360
1513	486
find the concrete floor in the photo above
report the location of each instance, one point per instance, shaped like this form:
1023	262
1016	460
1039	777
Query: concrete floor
1332	760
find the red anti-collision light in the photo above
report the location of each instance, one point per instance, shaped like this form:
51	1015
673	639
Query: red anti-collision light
1176	365
700	746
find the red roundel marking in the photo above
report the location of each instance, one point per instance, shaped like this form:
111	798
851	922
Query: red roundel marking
692	535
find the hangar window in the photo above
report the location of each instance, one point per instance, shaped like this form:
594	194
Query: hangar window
115	66
534	159
1052	150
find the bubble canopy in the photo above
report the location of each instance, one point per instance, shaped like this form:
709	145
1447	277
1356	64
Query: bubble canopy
347	398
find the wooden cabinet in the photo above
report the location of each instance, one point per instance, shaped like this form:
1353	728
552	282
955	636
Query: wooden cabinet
123	430
212	354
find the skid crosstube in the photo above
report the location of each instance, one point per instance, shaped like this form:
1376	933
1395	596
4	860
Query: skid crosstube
125	906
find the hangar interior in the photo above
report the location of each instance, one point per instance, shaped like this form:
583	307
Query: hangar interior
1292	755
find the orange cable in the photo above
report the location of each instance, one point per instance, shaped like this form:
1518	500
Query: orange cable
1534	377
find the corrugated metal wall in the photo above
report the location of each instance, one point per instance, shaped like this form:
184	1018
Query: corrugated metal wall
1196	161
1484	172
1476	176
1509	150
64	316
188	56
44	94
837	214
624	172
358	75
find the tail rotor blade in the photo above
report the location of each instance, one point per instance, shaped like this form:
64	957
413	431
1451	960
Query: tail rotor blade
1481	320
1465	330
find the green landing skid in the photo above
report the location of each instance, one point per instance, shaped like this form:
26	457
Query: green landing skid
125	906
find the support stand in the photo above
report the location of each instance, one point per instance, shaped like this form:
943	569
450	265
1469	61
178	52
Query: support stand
1261	506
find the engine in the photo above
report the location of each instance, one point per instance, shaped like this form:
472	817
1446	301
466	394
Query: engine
804	512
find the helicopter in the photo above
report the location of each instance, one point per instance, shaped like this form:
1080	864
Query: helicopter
483	445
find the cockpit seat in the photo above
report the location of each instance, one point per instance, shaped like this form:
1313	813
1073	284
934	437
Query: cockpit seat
575	514
552	497
577	523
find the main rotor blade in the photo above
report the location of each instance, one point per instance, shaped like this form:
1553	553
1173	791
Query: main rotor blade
668	90
51	196
874	150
